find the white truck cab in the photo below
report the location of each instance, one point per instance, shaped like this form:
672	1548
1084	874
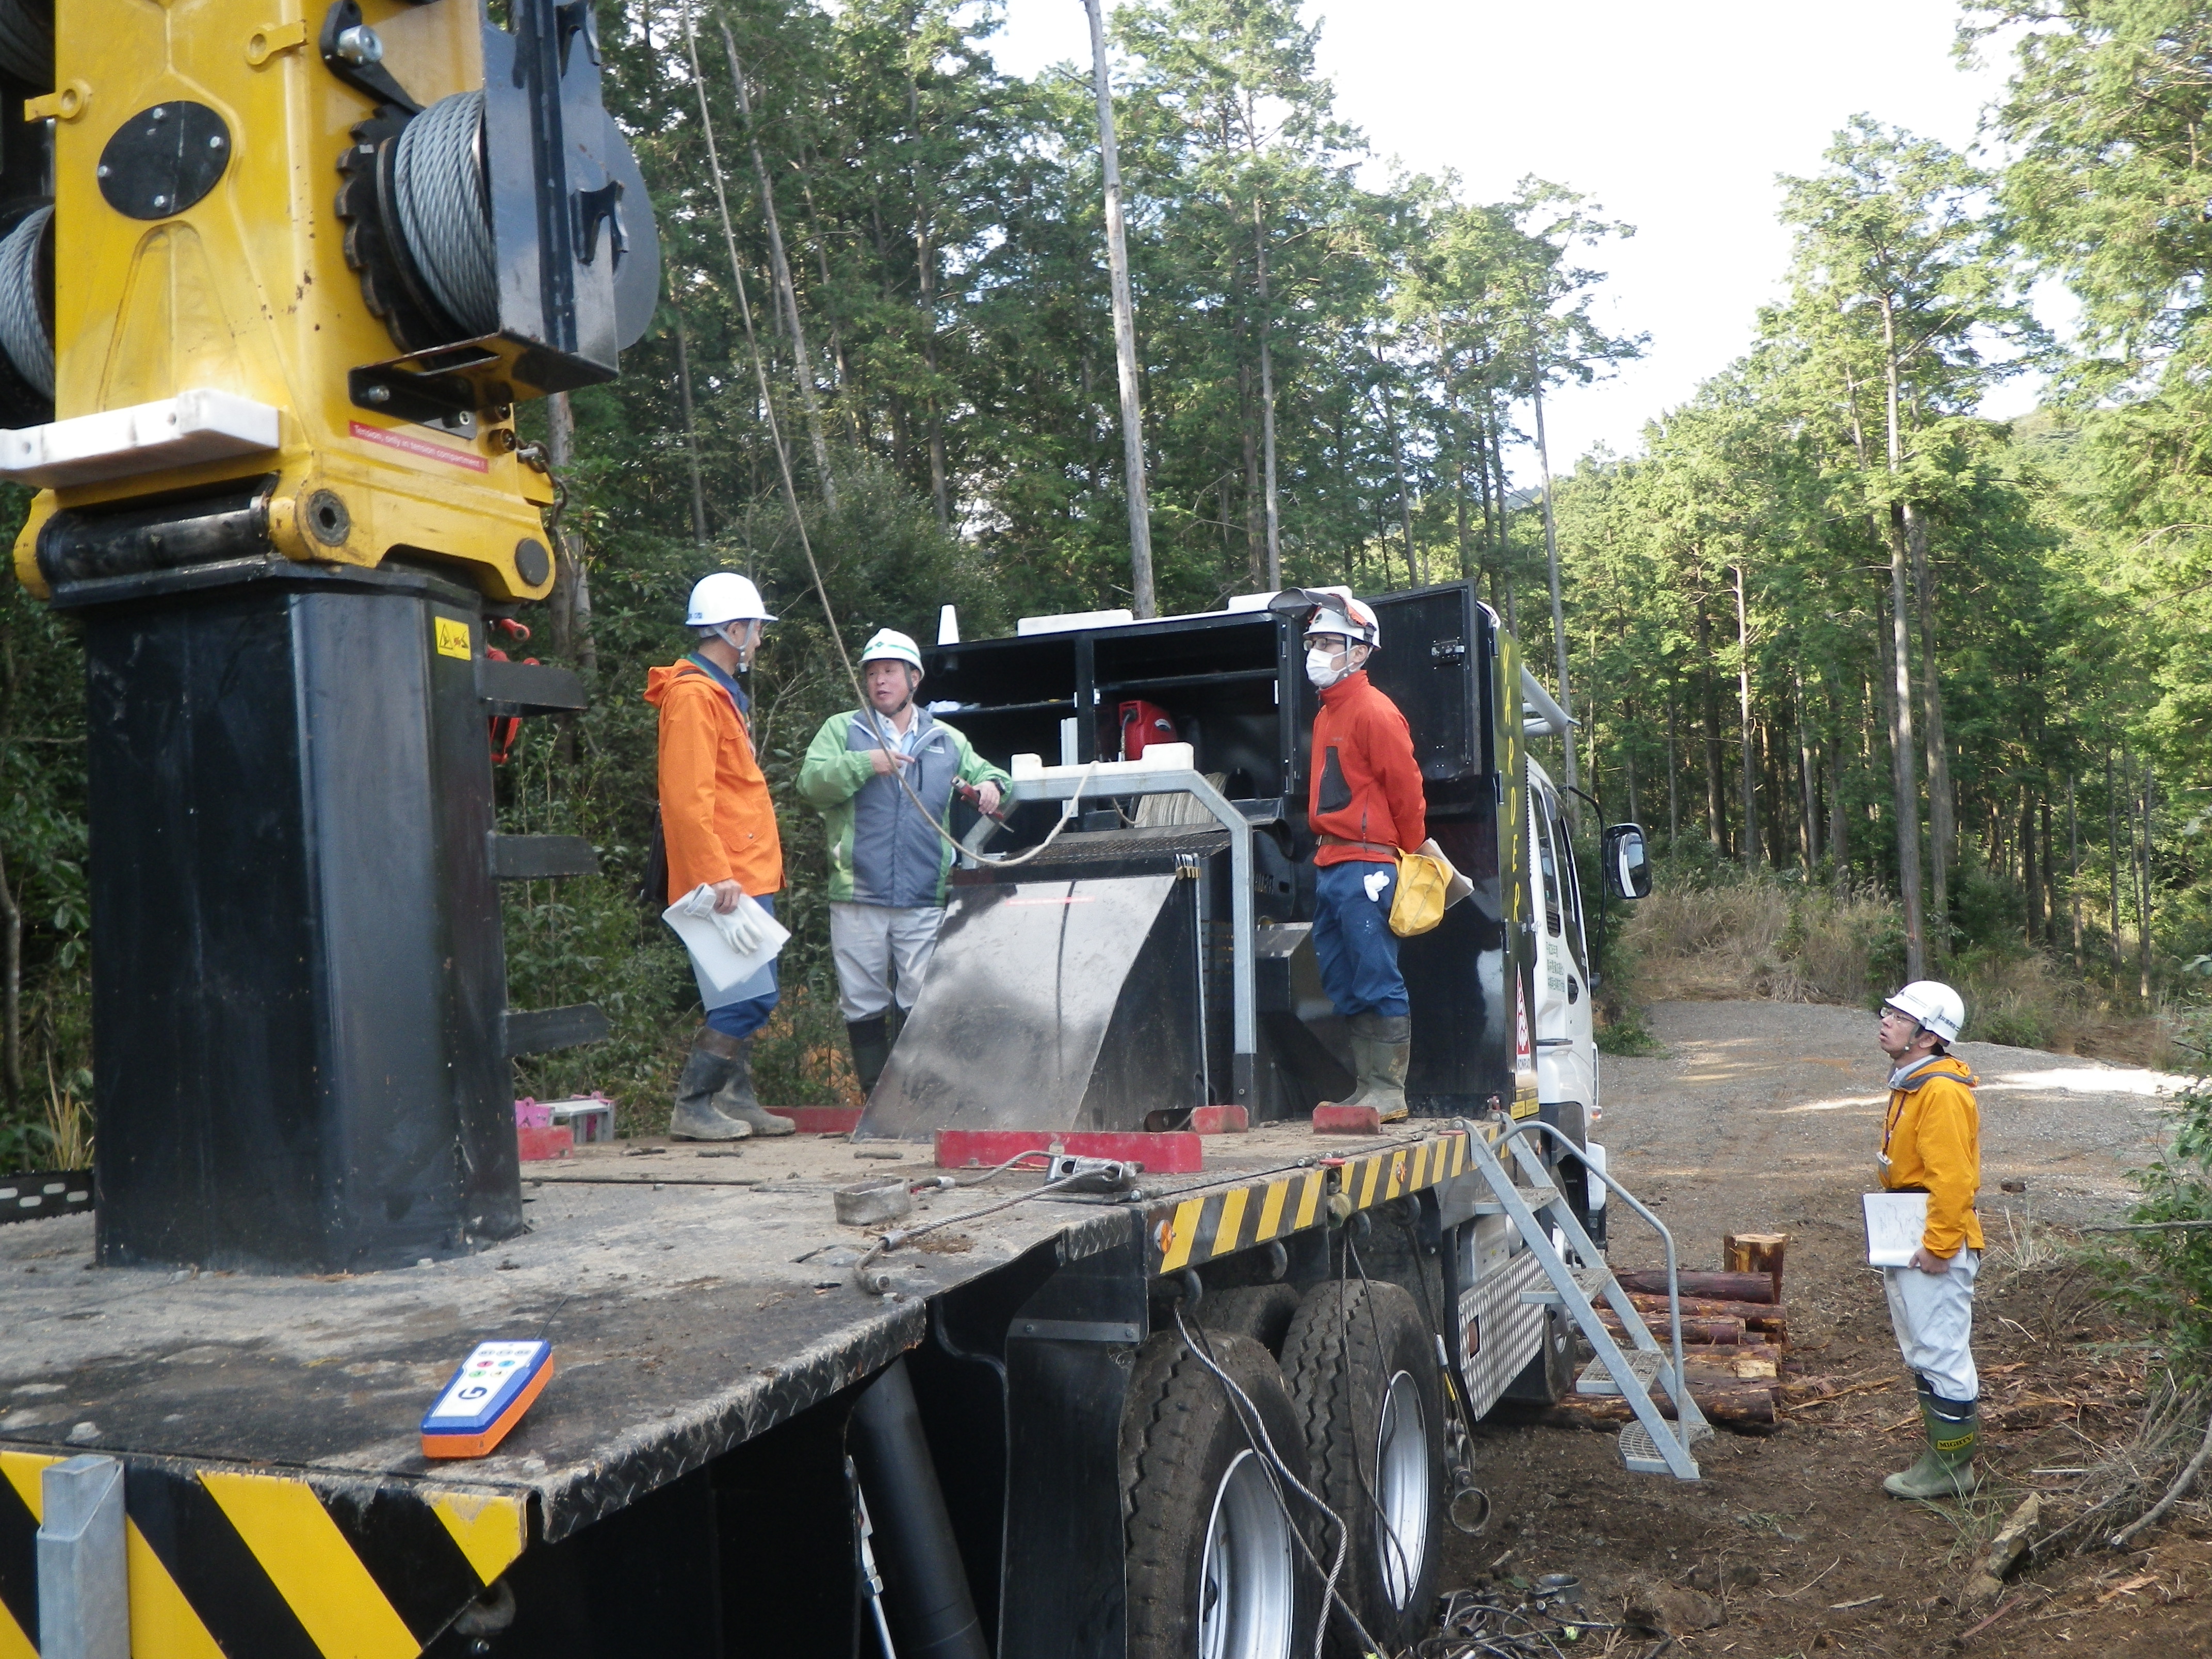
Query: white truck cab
1566	1047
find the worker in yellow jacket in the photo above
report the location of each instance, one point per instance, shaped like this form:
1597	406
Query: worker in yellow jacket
1931	1143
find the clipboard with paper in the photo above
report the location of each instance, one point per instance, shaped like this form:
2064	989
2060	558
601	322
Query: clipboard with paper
1895	1223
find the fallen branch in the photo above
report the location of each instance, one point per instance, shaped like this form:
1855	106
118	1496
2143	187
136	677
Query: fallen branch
1784	1596
1840	1394
2010	1603
2151	1227
2182	1483
2002	1553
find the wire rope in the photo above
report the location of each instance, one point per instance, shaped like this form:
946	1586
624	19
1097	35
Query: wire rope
23	334
438	179
26	41
798	519
1256	1435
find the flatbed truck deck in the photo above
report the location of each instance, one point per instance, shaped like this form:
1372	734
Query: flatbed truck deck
696	1300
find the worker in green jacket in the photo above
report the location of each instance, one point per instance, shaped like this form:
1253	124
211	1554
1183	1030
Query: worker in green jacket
883	778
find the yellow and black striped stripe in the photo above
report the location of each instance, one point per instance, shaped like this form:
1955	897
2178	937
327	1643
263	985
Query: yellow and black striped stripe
1216	1222
224	1561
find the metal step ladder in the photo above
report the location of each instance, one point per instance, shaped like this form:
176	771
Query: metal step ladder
1649	1444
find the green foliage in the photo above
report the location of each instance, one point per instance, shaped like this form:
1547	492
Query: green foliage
1983	910
1628	1035
1372	341
2166	1275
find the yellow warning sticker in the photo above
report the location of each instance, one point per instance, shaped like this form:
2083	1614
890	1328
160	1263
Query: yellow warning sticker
452	637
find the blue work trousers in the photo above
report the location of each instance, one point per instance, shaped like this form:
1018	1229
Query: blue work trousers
1351	938
757	997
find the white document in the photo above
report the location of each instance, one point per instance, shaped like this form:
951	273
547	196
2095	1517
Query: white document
731	953
1895	1223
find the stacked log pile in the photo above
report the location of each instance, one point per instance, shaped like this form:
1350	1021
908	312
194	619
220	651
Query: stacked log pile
1736	1334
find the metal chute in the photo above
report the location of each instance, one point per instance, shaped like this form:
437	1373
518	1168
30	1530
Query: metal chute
1051	1004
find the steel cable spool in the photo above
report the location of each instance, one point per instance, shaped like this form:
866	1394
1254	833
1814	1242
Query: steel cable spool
27	42
23	334
444	216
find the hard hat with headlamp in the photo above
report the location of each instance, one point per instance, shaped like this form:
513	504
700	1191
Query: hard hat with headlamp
1340	613
1934	1005
725	597
889	645
1330	611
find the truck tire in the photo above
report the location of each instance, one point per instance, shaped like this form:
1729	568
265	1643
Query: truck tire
1362	1369
1213	1565
1263	1312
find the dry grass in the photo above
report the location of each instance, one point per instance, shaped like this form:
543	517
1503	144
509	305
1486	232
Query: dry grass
69	1120
1783	943
1752	939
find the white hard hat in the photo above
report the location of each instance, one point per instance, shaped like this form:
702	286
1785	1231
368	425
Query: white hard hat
1336	611
891	646
1935	1004
726	597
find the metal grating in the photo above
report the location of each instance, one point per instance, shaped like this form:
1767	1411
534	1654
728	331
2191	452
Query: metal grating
1640	1453
44	1193
1597	1377
1116	846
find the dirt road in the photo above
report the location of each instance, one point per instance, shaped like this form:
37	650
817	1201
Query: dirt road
1764	1117
1755	1104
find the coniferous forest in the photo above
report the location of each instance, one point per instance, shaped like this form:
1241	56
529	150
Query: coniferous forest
1827	628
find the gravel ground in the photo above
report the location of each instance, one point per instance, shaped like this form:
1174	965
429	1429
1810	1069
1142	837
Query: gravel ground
1783	1100
1762	1116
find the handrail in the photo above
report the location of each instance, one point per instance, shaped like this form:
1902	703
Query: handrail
1674	1290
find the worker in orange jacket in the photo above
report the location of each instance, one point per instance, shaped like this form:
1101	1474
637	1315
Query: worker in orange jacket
720	828
1366	806
1931	1143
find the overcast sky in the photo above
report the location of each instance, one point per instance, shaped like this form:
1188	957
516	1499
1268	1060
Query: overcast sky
1675	117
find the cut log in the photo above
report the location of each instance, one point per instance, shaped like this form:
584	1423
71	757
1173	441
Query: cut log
1758	1316
1734	1353
1721	1367
1756	1253
1728	1333
1738	1404
1725	1287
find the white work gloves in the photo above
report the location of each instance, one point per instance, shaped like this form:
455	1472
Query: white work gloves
744	929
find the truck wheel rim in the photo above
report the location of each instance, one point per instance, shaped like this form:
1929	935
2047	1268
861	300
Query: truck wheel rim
1247	1595
1403	1489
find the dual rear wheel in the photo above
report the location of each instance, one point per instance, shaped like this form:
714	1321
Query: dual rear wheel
1219	1539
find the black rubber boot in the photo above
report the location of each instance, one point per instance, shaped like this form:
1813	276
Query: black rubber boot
871	1048
713	1059
736	1099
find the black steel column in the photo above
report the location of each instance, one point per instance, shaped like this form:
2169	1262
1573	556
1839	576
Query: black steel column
297	983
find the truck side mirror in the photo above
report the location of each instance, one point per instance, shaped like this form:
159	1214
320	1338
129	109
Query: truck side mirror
1627	862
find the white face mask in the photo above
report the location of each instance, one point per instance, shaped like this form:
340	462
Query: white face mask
1325	668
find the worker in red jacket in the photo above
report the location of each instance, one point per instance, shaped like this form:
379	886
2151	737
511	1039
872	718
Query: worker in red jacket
1366	806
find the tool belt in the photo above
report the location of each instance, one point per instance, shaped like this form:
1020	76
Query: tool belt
1388	852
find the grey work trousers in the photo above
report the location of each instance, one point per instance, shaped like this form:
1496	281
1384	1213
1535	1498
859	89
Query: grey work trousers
882	953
